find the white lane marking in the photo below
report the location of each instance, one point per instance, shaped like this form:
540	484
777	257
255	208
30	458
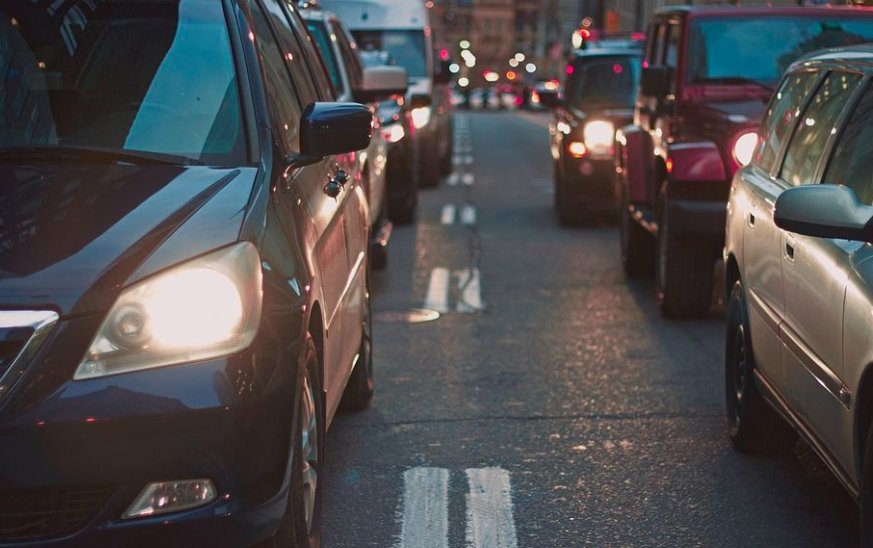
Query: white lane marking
471	292
468	160
468	215
453	179
448	215
467	179
425	508
489	509
438	290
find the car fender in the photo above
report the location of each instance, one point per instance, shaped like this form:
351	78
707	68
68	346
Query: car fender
635	153
698	161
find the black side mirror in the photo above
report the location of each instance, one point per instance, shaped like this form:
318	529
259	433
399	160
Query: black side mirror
334	128
655	80
824	211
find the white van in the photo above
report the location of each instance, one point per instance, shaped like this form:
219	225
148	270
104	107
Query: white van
402	28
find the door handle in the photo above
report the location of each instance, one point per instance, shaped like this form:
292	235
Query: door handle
751	219
335	185
789	250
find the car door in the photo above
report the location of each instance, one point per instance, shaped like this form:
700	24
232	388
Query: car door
815	273
762	240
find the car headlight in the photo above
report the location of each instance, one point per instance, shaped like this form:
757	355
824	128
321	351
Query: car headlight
420	117
744	147
598	137
202	309
393	133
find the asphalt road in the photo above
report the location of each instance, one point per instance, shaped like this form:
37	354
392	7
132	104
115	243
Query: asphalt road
561	410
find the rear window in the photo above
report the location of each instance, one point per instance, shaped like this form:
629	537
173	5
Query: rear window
607	80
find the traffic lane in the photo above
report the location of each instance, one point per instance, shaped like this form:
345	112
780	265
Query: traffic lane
567	355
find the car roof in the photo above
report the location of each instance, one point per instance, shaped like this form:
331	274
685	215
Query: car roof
857	57
610	51
728	10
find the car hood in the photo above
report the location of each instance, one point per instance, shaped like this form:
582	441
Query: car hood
733	112
72	236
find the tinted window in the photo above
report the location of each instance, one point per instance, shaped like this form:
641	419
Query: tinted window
125	76
816	126
603	80
852	162
292	52
322	40
761	48
405	46
284	107
779	118
348	50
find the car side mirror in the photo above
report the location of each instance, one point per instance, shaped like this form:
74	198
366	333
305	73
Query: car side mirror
380	83
550	98
655	81
824	211
334	128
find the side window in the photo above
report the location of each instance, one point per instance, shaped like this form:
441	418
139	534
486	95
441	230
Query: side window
853	155
350	57
281	94
671	52
815	127
656	47
318	31
325	88
292	52
780	116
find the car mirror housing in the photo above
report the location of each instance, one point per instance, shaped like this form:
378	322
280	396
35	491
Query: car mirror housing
655	80
824	211
380	83
335	128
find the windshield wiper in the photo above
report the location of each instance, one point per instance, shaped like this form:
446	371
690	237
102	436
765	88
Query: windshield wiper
735	80
48	153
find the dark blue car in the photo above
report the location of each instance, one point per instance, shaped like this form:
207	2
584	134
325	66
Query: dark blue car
183	273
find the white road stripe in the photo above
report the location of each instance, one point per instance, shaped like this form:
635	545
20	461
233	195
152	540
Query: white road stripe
468	215
467	179
425	508
468	160
438	290
489	509
448	215
471	292
453	179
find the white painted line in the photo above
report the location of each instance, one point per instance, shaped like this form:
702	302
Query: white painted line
453	179
468	160
425	508
489	509
438	290
457	161
448	215
471	292
467	179
468	215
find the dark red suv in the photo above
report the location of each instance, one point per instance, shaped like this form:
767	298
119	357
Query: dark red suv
707	76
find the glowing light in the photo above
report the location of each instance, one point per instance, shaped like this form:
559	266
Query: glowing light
577	149
530	68
598	136
617	69
519	57
491	76
570	69
420	117
511	75
463	82
464	44
454	68
393	133
513	62
744	147
551	85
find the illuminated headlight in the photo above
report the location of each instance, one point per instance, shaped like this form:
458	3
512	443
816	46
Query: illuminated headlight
599	136
202	309
420	117
393	133
744	147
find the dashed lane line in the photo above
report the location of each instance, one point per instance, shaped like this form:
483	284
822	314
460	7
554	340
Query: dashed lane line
448	215
490	523
467	179
468	215
425	508
471	291
438	290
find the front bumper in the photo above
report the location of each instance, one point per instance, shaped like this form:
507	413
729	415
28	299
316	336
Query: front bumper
77	455
589	182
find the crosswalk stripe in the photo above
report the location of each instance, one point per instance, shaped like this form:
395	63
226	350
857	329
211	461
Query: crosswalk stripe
468	215
425	508
453	179
471	292
490	523
467	179
448	215
438	290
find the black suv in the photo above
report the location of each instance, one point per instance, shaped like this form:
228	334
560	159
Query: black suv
184	301
598	97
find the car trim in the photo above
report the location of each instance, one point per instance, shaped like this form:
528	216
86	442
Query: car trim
817	368
41	322
777	402
767	313
349	282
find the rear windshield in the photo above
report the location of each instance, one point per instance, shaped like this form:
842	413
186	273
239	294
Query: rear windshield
406	47
737	49
604	81
151	76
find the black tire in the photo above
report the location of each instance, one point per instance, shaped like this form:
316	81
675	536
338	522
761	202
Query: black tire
866	498
753	426
683	273
301	524
378	257
637	247
359	390
569	213
403	210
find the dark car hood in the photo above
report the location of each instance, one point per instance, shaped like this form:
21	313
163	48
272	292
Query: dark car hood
72	235
734	112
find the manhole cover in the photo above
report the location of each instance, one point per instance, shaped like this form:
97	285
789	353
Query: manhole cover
413	315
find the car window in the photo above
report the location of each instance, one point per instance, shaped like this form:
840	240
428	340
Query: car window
292	53
852	160
281	95
318	30
606	80
671	53
815	127
313	58
780	116
350	56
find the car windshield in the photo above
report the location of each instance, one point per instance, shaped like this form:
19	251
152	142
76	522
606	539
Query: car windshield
603	80
406	47
758	50
153	77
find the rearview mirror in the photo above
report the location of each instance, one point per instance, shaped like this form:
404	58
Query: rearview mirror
334	128
655	80
380	83
824	211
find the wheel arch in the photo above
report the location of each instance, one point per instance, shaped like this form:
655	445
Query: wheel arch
315	326
731	274
863	415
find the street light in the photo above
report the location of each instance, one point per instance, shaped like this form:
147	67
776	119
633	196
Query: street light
530	68
463	81
519	57
513	62
464	44
454	68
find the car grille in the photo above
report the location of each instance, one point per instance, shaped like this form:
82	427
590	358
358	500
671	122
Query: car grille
47	512
22	332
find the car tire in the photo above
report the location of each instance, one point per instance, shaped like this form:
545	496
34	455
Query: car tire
403	210
359	390
569	214
301	523
866	495
683	273
753	426
637	246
